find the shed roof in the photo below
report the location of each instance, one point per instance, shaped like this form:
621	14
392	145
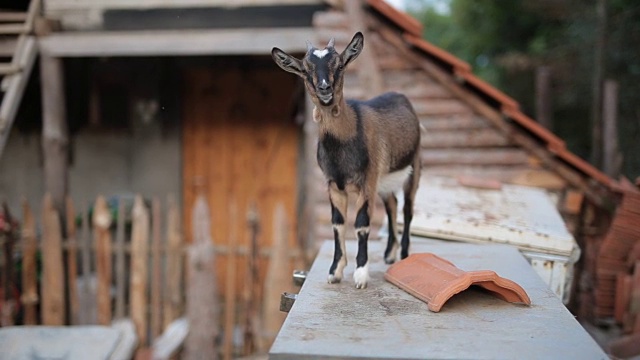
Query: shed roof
509	107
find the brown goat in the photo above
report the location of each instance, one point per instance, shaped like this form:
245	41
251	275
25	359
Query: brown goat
366	147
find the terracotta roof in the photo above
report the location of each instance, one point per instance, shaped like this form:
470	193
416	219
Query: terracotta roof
507	105
399	18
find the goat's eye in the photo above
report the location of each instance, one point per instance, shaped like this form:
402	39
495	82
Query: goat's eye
341	67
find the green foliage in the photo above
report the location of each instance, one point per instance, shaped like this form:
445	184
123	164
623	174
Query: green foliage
505	41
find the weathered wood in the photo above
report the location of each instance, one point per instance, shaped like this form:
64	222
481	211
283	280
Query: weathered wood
368	69
29	270
230	285
175	42
278	277
55	136
173	298
139	268
456	122
544	110
52	284
476	157
14	85
466	139
87	312
7	265
202	302
102	238
440	107
156	272
612	159
121	280
72	262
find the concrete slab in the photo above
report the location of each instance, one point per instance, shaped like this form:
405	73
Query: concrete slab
384	322
58	342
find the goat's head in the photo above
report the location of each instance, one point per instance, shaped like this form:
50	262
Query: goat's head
321	69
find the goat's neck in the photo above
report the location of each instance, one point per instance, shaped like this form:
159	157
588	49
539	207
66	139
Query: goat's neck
337	120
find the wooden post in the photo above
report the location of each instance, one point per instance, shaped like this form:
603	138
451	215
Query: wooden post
29	268
202	302
53	312
230	289
173	288
121	281
368	69
598	71
139	271
55	137
72	262
102	237
544	112
252	336
278	276
8	303
612	157
156	274
87	303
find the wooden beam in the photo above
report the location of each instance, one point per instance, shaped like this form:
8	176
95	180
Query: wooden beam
76	5
15	85
175	42
611	150
368	69
55	137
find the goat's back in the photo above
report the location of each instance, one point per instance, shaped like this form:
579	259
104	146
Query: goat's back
391	128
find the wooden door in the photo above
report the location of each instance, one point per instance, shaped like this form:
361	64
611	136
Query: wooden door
240	144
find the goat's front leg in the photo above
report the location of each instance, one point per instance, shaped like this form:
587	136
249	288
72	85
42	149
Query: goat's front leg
339	203
363	219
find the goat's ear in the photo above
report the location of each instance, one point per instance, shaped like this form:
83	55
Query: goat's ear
287	62
353	49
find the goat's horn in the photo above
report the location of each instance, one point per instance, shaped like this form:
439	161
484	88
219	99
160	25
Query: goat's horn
309	46
331	43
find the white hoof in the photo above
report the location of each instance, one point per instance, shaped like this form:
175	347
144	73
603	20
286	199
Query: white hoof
334	279
361	276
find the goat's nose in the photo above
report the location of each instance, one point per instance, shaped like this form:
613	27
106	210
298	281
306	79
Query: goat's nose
324	85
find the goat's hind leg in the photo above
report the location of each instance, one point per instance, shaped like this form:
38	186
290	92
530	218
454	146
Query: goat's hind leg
339	203
410	188
391	207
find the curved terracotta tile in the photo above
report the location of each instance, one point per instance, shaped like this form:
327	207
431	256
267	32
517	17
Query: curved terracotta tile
435	280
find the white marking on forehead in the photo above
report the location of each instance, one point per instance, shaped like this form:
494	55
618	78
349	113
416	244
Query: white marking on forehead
320	53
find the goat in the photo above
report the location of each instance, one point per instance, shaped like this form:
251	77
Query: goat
363	147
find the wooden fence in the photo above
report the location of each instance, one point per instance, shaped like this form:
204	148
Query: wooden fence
127	259
94	265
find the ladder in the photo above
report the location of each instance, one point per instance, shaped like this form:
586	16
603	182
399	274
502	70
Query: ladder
18	50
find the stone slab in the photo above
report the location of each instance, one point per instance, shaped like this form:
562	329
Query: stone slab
384	322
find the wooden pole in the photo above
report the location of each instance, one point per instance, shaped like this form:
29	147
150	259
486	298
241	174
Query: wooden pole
230	292
139	271
72	262
368	69
278	276
121	281
87	308
156	272
8	281
612	157
598	73
202	301
53	310
55	137
102	235
173	289
29	269
544	112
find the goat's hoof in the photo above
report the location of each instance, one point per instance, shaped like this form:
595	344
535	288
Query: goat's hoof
361	277
333	279
389	260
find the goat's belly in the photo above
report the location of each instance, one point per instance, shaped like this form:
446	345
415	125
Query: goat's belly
394	181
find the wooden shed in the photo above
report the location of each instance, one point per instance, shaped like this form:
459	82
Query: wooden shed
191	88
